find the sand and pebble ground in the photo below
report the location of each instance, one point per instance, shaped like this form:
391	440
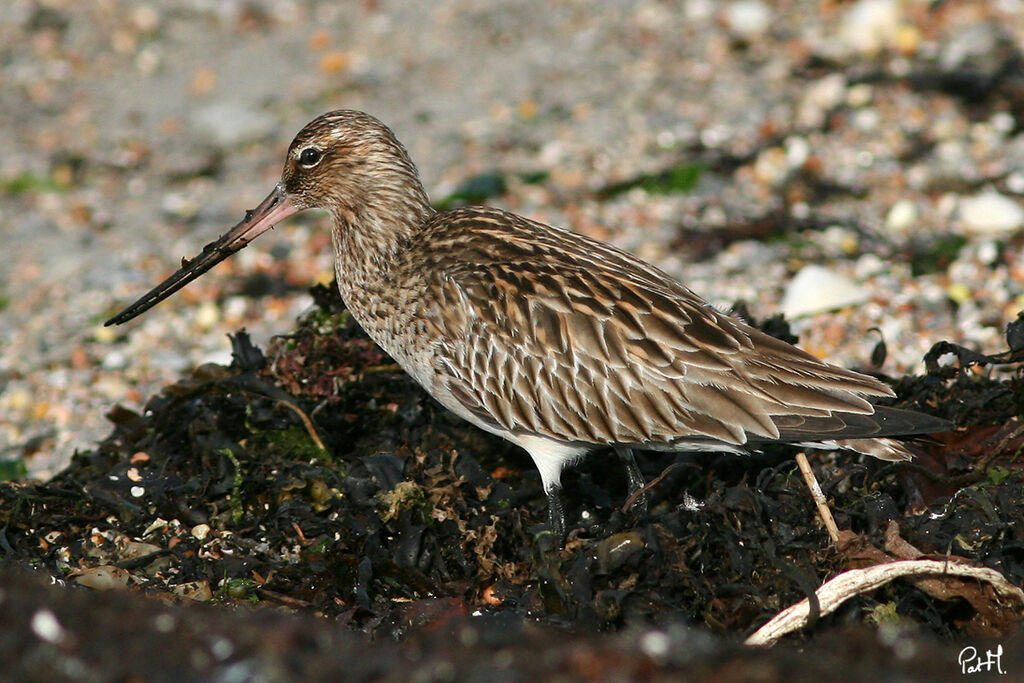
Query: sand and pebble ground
856	165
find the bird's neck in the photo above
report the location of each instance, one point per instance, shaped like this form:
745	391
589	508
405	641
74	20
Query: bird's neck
370	244
369	237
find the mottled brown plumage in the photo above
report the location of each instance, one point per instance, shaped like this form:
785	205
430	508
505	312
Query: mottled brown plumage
557	342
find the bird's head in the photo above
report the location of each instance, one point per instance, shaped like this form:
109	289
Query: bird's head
345	162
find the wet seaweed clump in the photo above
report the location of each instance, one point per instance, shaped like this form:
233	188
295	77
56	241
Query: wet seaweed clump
317	477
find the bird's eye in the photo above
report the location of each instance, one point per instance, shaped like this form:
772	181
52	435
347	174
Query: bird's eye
310	156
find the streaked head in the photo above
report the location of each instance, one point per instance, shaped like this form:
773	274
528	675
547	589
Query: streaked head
342	160
345	162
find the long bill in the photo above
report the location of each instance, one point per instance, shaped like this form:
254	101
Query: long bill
275	208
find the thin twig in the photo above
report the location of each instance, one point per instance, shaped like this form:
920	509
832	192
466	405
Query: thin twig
307	422
819	498
654	482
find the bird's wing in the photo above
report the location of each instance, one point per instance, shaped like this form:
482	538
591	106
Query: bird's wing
555	334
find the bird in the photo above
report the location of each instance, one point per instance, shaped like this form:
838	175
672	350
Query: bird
559	343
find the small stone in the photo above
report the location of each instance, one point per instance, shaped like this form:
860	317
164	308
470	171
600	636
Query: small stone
145	18
615	551
655	644
194	590
114	360
201	531
946	205
103	578
798	150
838	238
208	315
865	120
221	356
988	253
46	626
859	95
104	335
907	39
871	25
821	97
958	292
203	81
164	623
770	167
990	212
17	400
157	524
816	289
901	216
748	18
335	62
1003	122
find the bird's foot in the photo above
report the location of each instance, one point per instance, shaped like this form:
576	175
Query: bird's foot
636	500
556	516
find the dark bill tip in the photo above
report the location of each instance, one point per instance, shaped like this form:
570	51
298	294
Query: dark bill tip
275	208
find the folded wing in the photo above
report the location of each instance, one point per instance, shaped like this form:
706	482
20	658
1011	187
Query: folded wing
592	345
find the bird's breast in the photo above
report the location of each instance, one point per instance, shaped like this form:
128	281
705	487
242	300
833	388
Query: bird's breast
399	317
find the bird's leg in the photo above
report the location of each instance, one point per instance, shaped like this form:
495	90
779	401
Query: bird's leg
556	514
635	478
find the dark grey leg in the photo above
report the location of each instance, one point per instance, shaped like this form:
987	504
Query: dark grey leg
556	515
635	478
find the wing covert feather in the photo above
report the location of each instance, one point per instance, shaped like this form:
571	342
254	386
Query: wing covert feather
589	344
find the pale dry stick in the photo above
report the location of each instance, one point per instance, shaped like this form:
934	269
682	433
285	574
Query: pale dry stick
306	422
818	496
840	588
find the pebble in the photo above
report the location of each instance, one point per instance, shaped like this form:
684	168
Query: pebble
870	26
103	578
157	524
901	217
104	335
207	315
748	18
816	289
840	240
988	253
821	97
771	167
859	95
194	590
798	150
114	360
990	212
47	627
655	644
959	292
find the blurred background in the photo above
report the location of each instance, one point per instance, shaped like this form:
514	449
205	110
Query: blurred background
851	164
